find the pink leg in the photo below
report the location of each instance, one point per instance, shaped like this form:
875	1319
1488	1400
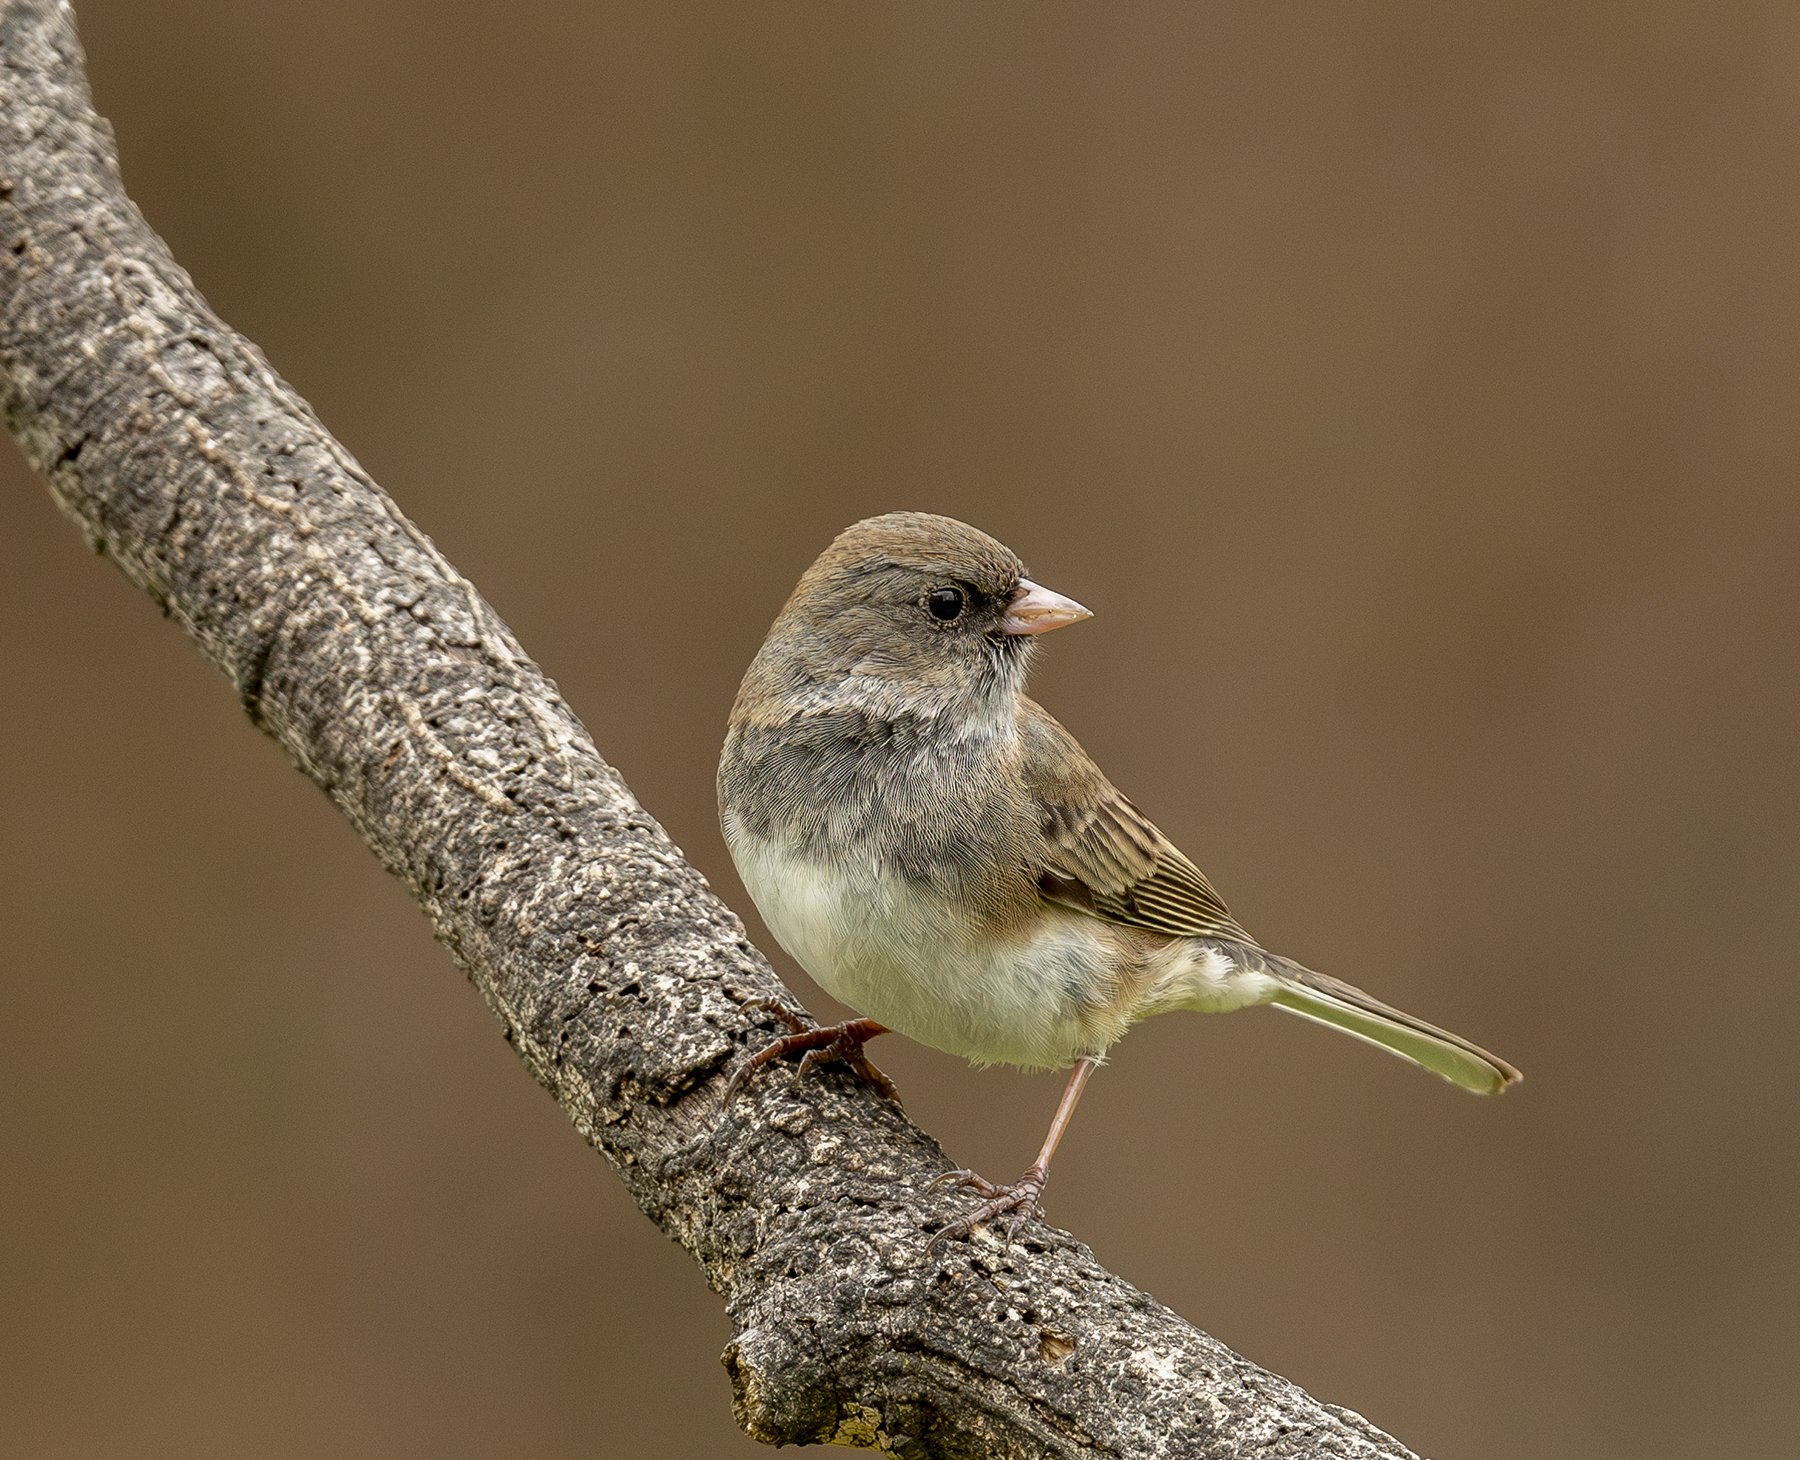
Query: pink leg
822	1043
1021	1198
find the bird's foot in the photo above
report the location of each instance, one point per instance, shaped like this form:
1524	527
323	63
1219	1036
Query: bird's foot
822	1043
1021	1199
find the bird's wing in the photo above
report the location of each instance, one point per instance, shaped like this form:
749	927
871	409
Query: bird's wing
1102	855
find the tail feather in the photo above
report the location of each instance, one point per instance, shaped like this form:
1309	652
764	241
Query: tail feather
1329	1001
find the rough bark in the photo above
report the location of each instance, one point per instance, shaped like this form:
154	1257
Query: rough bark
619	978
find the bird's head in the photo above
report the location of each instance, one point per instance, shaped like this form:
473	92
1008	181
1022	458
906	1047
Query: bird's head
907	613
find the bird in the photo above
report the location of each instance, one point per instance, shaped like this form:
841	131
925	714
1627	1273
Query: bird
943	857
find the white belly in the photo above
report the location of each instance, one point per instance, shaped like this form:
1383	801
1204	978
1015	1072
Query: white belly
1067	986
873	942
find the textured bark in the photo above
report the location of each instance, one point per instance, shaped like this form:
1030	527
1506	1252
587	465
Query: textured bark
619	978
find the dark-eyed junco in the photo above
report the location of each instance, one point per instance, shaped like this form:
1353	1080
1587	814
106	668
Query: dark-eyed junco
942	856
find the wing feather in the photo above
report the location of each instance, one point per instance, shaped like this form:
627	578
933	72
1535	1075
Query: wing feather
1104	857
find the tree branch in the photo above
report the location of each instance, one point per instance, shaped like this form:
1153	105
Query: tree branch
621	981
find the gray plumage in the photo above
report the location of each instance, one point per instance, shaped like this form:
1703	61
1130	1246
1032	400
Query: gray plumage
942	856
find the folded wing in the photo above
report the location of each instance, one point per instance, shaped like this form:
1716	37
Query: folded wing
1104	857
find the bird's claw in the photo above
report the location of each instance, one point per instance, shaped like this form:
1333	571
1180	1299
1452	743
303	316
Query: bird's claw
965	1177
798	1021
1021	1199
822	1043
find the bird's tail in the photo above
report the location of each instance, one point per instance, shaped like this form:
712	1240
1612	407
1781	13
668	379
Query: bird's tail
1327	1000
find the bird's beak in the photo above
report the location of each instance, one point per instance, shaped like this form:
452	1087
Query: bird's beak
1034	609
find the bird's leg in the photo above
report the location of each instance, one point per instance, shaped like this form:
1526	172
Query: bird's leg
822	1043
1021	1198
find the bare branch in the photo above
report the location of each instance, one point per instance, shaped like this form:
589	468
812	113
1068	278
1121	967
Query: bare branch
619	978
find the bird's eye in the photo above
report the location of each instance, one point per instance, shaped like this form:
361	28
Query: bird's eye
945	604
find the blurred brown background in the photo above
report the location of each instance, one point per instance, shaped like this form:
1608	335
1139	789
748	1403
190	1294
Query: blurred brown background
1410	388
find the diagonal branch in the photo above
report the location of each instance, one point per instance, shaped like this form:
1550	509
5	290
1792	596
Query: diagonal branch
625	986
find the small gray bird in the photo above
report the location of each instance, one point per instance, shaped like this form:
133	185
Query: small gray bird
942	856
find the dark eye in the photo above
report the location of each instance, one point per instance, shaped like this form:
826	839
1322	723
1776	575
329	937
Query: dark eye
945	603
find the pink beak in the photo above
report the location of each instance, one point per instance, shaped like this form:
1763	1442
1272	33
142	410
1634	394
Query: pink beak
1036	610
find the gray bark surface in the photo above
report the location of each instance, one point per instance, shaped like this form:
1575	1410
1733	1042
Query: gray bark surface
618	977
